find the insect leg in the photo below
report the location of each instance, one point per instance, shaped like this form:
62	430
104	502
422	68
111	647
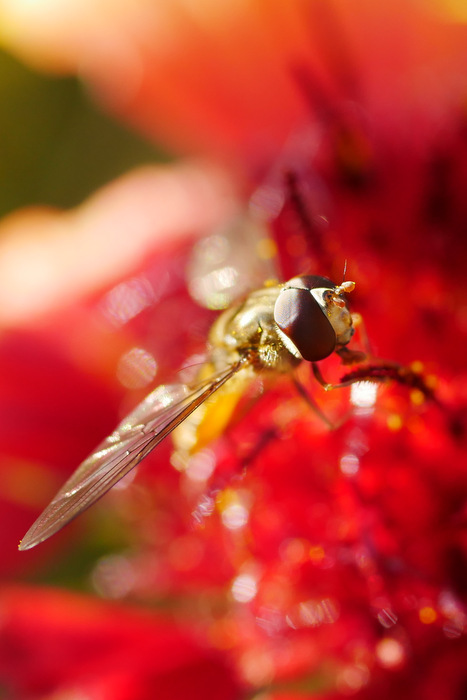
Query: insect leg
312	403
379	372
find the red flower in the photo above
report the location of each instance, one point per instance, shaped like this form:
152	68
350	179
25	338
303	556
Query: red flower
55	640
306	562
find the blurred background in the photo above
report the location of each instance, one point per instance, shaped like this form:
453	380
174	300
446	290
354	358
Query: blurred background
56	147
343	127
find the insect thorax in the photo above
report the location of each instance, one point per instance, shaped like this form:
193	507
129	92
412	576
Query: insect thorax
245	331
249	329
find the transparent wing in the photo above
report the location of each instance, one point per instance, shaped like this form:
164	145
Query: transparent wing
134	438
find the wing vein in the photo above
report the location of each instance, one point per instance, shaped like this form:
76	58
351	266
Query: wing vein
120	453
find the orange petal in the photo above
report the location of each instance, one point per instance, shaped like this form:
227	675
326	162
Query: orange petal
223	77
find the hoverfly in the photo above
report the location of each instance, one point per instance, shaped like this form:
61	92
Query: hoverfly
272	330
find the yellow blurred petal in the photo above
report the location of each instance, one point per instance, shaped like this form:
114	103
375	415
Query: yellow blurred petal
57	34
451	10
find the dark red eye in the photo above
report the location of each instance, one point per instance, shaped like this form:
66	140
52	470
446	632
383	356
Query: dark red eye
301	318
309	282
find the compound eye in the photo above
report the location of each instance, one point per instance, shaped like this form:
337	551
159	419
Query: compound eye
301	318
309	282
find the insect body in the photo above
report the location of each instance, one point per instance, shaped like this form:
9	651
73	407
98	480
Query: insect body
272	330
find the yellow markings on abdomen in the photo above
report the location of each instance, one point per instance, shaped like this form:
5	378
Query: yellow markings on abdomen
210	420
